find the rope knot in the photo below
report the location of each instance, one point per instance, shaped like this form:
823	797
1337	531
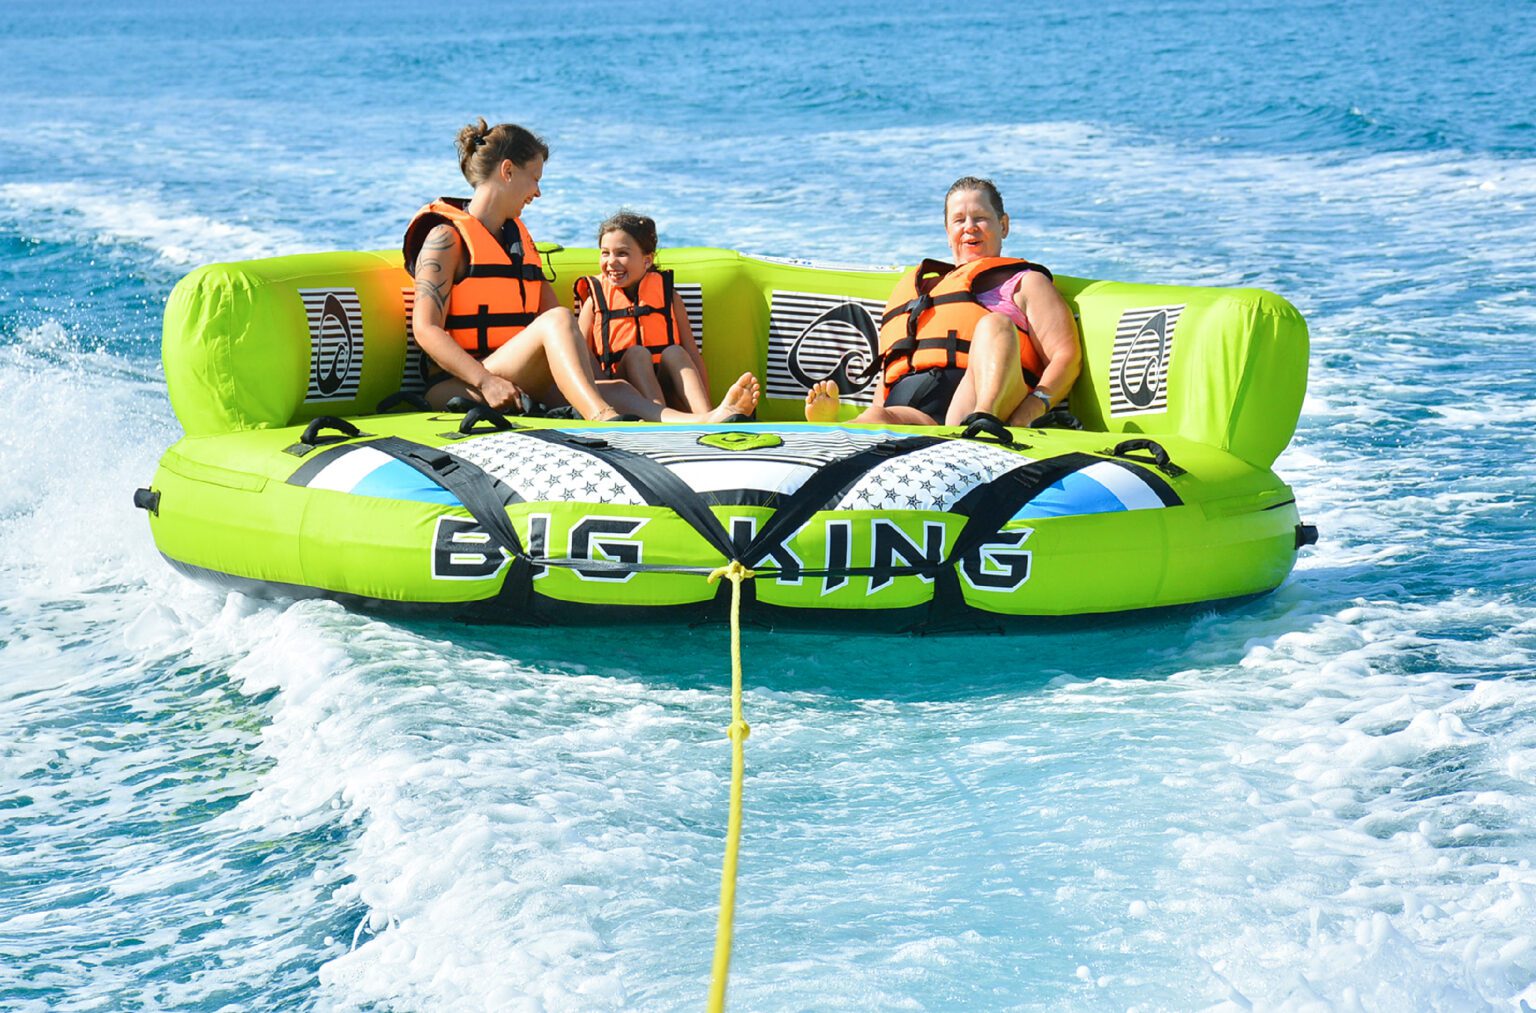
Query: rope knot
738	731
734	572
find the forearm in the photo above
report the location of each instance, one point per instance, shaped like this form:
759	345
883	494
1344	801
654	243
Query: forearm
1059	376
447	353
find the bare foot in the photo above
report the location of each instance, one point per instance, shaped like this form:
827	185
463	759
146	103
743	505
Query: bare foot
821	402
741	399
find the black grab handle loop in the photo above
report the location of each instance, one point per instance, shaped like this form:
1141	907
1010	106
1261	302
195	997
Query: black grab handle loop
484	413
402	397
1159	456
317	426
312	438
979	425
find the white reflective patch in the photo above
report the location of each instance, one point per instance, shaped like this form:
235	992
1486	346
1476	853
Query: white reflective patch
718	475
1124	485
346	471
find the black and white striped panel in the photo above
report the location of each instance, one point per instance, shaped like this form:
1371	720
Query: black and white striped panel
413	378
693	301
1138	366
335	343
814	336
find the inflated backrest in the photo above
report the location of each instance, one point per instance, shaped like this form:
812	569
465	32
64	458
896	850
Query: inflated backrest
280	341
1226	367
266	343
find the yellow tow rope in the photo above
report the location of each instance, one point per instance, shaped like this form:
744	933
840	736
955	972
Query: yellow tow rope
738	732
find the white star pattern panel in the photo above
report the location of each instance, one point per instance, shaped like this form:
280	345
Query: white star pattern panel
413	378
934	478
335	343
544	472
803	329
1138	366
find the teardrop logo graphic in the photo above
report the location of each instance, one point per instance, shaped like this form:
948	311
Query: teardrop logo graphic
814	337
1139	363
335	343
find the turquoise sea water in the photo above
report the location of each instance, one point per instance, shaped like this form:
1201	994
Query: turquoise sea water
1323	799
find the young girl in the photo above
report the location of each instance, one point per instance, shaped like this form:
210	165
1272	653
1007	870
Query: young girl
636	326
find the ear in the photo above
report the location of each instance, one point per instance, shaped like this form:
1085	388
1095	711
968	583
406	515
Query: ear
508	169
650	260
1003	231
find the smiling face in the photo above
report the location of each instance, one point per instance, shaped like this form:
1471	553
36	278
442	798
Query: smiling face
520	183
620	258
974	227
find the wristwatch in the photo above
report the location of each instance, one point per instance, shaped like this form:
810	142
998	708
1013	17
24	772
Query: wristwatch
1043	396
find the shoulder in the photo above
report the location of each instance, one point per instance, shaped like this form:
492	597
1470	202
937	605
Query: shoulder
441	236
1034	282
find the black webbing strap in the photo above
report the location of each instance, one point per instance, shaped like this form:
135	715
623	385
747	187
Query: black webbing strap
517	271
479	494
475	489
906	348
654	481
482	320
988	507
830	481
920	305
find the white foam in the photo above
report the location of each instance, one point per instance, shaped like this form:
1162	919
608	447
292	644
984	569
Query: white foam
175	232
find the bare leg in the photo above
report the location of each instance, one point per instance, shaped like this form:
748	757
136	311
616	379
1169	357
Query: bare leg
635	368
685	379
822	400
549	360
894	415
993	381
741	399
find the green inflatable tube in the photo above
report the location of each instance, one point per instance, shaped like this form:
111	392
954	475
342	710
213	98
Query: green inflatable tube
289	481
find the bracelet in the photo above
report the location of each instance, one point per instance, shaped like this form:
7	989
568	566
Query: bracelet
1043	396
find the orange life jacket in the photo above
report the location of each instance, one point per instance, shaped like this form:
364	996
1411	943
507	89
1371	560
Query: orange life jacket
930	317
619	316
499	293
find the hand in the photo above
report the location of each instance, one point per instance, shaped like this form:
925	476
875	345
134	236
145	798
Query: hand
1030	409
500	393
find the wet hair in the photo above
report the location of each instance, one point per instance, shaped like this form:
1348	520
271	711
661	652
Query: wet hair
638	227
980	184
482	149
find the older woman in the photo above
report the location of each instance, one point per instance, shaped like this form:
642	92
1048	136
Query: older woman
986	335
484	313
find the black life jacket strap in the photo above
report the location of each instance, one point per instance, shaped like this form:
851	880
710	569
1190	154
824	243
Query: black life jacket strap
481	322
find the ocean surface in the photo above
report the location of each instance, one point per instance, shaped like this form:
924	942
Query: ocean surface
1324	799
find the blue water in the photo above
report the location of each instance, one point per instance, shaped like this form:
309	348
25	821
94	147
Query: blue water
1324	799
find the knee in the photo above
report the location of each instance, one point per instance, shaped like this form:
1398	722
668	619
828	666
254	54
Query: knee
558	319
996	330
636	356
996	325
675	356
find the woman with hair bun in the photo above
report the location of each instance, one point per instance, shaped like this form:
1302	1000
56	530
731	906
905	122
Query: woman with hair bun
635	323
484	312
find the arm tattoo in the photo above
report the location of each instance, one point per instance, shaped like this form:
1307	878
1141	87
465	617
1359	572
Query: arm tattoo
435	291
442	237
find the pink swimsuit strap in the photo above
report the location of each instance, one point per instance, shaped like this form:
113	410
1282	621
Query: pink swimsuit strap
1000	300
